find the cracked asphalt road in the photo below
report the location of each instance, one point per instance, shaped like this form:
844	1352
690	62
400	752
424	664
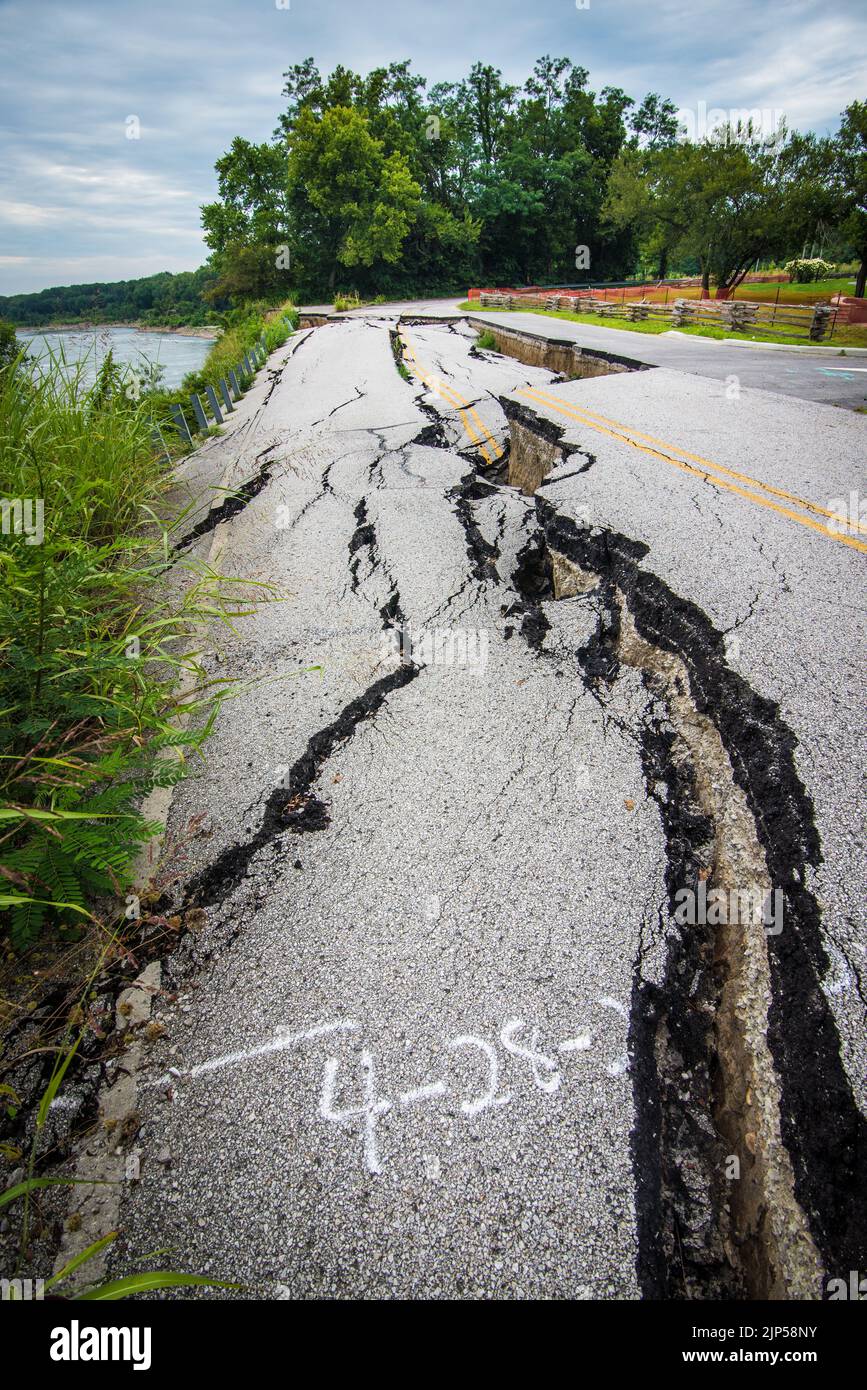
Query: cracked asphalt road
823	374
412	1052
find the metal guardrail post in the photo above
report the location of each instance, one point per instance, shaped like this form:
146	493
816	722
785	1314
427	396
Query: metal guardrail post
180	420
200	414
233	377
224	392
212	401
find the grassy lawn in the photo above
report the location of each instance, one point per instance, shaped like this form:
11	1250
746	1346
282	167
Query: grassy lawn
848	336
819	291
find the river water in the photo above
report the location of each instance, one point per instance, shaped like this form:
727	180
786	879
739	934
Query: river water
176	353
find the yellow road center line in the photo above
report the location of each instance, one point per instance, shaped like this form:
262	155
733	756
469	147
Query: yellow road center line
461	405
707	477
589	415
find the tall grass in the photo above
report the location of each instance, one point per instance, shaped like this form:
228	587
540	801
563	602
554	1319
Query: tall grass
97	643
241	329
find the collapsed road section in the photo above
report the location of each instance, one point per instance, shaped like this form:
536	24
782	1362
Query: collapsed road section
442	1029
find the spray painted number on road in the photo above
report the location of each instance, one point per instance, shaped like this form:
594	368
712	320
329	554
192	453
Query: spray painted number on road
543	1069
517	1039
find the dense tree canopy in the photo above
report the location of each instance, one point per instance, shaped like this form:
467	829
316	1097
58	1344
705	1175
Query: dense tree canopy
739	195
389	187
379	184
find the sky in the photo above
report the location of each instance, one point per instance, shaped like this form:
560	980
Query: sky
81	201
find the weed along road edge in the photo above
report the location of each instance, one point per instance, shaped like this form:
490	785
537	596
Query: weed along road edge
522	882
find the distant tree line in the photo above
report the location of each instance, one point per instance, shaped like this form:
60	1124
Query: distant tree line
159	300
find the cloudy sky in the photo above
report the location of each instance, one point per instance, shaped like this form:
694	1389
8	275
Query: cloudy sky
80	201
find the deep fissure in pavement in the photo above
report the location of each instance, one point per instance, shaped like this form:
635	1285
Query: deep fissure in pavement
699	1234
234	502
827	1161
561	355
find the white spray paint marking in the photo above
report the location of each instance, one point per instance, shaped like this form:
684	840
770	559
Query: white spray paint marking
621	1065
369	1111
488	1097
531	1054
546	1074
283	1040
433	1088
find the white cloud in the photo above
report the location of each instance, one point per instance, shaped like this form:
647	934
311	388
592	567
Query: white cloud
196	74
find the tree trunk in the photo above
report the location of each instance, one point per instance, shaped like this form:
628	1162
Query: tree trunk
663	264
705	282
861	278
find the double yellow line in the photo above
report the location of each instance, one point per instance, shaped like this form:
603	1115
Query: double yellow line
462	406
715	473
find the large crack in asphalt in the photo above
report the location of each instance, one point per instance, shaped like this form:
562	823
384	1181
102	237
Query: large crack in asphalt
694	1103
294	806
234	502
481	553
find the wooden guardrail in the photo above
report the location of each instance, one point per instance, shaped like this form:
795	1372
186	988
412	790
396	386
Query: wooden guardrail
813	321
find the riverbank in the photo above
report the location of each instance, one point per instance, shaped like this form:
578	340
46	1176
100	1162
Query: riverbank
88	326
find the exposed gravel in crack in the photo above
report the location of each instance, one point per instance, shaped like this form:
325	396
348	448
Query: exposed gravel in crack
828	1159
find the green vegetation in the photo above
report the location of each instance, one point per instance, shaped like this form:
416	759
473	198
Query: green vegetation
241	329
804	270
740	195
845	336
18	1198
417	191
486	341
102	692
814	292
165	300
481	181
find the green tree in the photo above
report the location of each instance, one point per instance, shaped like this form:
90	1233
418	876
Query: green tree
350	204
851	165
247	227
724	201
9	345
